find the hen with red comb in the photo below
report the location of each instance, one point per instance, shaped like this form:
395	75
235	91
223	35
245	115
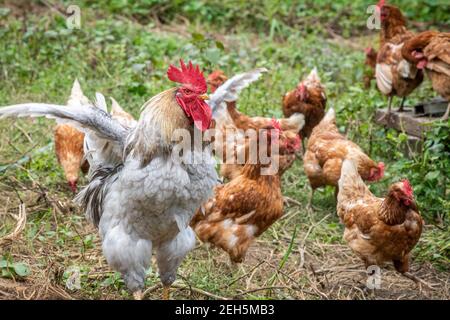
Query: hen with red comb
309	99
407	187
395	76
378	230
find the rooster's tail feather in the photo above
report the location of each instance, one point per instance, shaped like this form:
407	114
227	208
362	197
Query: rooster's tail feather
92	196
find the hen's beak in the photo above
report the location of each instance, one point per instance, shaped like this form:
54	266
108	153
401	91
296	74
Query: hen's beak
204	96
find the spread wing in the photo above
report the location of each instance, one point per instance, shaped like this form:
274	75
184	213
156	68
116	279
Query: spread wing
97	124
85	119
230	90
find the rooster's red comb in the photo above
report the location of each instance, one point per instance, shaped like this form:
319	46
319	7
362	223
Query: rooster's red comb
407	187
190	76
381	3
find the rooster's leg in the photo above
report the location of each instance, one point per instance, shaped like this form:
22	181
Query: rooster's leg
401	105
166	293
170	254
447	113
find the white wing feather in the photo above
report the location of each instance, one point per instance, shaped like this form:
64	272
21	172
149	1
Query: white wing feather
84	119
230	90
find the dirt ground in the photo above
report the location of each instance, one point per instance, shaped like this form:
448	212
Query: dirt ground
278	266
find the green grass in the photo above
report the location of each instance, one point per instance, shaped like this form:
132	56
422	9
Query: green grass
123	51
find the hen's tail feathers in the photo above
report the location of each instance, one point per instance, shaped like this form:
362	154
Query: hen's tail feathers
77	96
115	107
350	178
330	116
85	119
121	115
313	76
92	196
230	90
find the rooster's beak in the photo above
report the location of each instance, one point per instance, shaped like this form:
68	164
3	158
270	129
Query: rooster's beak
204	97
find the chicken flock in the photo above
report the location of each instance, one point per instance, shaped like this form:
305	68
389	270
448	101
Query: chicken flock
143	199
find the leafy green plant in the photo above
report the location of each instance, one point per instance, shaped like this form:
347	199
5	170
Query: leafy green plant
11	269
429	172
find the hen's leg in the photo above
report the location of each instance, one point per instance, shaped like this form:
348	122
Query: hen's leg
401	105
129	255
402	266
388	113
310	200
417	280
447	113
170	254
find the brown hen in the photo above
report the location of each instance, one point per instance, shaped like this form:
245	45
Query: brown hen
430	50
69	143
395	76
237	123
309	99
378	230
326	151
245	207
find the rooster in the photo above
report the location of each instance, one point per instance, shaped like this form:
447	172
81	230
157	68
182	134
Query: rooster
395	76
69	143
430	50
147	201
309	99
249	204
378	230
326	151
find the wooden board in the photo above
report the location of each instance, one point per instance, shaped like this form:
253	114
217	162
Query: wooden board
405	122
435	107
